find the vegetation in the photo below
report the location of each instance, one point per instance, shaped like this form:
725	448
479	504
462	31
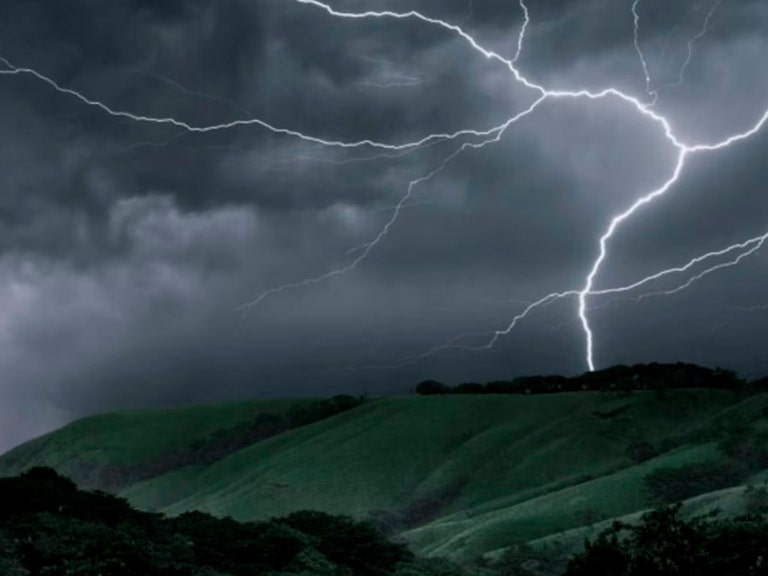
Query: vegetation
205	440
670	485
455	476
744	452
48	526
663	544
617	378
226	441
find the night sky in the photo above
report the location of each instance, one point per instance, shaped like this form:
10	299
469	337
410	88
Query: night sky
127	248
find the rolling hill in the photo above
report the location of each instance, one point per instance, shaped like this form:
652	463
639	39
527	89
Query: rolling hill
457	476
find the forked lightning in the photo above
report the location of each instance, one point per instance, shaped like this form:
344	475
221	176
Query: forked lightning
475	139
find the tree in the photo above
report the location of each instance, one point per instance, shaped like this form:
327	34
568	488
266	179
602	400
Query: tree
431	388
663	544
346	542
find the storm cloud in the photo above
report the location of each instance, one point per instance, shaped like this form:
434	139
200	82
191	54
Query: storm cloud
128	248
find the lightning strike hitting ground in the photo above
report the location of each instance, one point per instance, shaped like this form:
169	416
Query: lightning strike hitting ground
744	250
683	150
484	138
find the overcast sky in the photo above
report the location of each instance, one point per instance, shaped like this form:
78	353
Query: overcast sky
127	247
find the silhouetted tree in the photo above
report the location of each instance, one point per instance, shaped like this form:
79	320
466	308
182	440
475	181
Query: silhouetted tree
431	387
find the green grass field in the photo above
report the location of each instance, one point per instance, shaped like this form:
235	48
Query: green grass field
498	470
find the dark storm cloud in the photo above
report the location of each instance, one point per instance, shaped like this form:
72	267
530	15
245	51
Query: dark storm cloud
126	248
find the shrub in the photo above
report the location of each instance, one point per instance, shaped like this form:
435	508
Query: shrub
747	446
756	499
51	528
663	544
431	388
669	485
640	452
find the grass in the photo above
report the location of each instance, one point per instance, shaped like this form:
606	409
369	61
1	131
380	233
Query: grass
609	496
508	468
130	437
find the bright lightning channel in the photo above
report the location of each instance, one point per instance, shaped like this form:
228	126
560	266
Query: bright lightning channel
487	137
683	150
12	70
743	249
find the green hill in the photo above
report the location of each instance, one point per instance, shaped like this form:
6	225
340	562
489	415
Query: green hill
455	475
87	448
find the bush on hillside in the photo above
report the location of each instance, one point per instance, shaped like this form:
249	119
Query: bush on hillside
670	485
748	446
663	544
641	451
524	560
756	499
432	388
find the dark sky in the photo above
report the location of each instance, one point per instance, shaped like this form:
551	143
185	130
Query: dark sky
127	247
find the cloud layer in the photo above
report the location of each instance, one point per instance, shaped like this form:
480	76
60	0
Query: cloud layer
127	248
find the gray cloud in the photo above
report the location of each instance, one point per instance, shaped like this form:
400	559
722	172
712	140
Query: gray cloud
126	248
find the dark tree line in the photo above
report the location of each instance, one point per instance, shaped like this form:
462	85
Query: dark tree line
48	526
617	378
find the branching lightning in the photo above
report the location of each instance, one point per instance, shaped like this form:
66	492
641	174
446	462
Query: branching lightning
12	70
696	38
743	250
654	94
523	30
476	139
366	249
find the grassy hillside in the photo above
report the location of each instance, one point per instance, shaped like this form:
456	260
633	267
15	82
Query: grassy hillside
86	447
456	475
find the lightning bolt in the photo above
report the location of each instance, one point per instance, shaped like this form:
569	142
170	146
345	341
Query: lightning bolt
484	138
523	30
366	249
641	55
743	249
239	110
654	93
692	43
12	70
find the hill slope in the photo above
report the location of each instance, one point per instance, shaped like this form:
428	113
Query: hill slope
89	448
457	475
